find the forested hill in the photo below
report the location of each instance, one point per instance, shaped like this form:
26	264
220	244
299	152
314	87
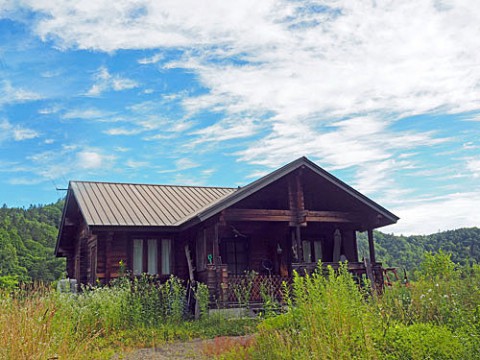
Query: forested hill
27	243
408	251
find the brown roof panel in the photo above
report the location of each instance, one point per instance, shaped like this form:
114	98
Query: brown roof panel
118	204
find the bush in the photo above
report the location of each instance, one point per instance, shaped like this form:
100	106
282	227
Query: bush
423	341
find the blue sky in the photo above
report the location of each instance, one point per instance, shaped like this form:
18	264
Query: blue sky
384	95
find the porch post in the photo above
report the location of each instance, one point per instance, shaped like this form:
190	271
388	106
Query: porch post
216	248
297	206
371	246
298	238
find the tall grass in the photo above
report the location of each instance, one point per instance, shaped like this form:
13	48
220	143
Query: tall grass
31	327
43	324
331	317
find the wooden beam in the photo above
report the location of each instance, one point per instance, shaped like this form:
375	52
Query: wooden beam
371	246
258	215
332	216
290	215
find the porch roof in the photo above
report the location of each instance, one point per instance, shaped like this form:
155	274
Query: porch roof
387	217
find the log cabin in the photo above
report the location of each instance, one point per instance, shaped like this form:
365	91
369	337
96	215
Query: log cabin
285	221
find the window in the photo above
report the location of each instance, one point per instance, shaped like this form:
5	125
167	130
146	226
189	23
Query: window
307	251
312	250
166	256
146	255
234	253
137	256
152	256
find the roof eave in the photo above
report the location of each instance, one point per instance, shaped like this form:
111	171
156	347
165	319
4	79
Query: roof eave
62	223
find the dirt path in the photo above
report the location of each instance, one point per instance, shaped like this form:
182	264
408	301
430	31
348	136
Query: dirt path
180	350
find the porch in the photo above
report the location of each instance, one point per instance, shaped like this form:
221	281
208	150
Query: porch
251	288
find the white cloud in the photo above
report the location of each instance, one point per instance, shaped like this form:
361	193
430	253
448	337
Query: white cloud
104	81
473	165
226	129
151	60
335	84
89	114
136	164
88	159
437	214
15	132
10	94
122	131
20	134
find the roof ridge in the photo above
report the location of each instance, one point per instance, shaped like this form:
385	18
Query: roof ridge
150	184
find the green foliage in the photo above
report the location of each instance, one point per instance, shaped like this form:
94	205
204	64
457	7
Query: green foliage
437	266
243	289
328	320
409	251
27	242
330	317
202	295
8	283
423	341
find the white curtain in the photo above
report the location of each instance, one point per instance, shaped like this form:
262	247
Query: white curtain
307	251
317	248
137	256
166	256
152	257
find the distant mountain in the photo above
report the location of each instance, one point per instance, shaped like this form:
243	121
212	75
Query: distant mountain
408	251
27	242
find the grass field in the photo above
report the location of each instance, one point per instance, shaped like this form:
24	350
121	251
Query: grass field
328	317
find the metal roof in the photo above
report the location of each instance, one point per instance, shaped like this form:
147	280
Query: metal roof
119	204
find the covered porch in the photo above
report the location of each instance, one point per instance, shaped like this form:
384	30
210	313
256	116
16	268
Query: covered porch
286	222
255	257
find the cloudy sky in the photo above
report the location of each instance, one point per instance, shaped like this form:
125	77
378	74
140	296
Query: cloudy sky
383	94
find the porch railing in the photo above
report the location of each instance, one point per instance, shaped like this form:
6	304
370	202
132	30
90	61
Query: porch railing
255	287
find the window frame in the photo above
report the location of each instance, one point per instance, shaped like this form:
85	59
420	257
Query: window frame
313	254
146	255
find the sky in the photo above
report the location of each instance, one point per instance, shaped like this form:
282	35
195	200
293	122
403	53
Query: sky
385	95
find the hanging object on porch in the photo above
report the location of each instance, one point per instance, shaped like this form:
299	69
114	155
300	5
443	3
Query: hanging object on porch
337	245
279	249
210	259
267	265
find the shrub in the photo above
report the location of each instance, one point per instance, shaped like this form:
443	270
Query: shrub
423	341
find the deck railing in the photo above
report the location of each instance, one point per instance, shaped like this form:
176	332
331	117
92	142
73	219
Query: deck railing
255	288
